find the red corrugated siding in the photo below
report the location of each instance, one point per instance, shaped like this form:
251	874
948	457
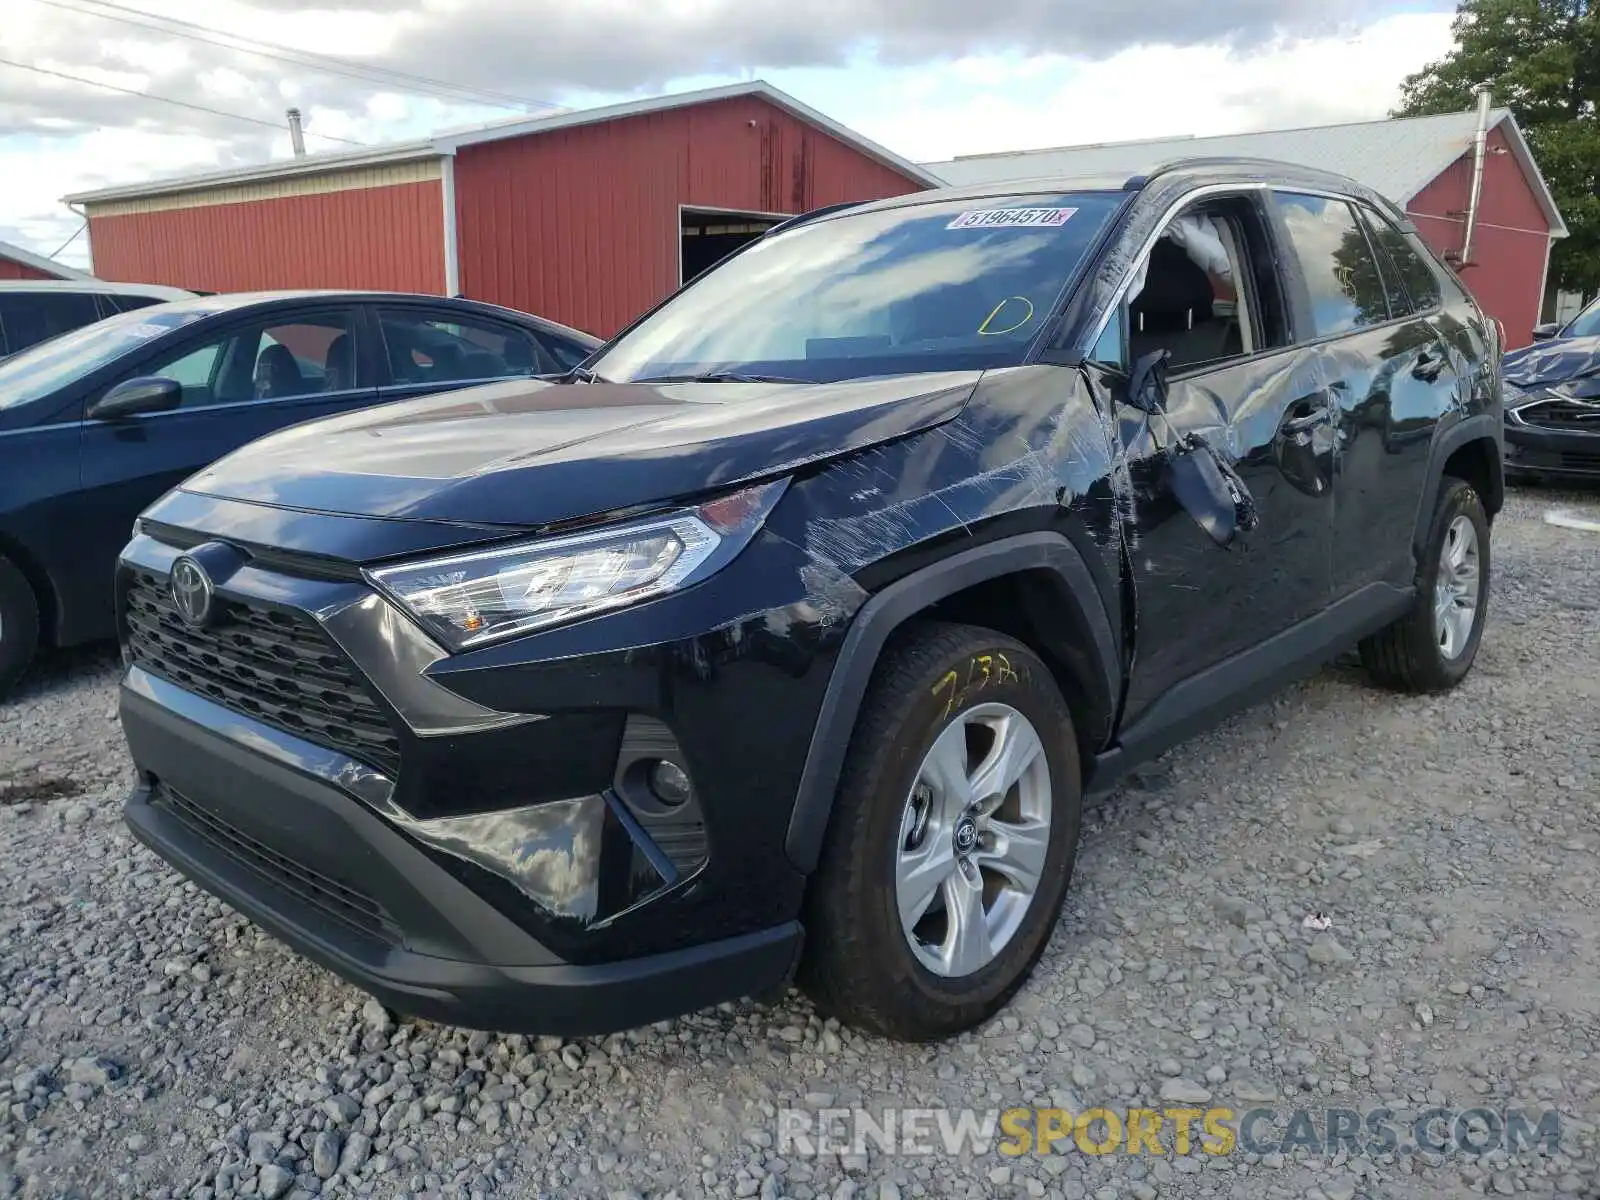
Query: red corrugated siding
581	225
10	269
387	238
1510	242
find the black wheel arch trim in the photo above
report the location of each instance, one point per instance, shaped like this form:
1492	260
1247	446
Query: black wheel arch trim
1484	427
892	607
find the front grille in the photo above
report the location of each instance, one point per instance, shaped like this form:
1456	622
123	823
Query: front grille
1577	460
276	666
1581	415
326	895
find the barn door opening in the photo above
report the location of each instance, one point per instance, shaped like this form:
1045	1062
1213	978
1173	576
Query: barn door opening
706	236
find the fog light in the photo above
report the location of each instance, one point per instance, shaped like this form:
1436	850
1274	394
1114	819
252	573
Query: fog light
670	783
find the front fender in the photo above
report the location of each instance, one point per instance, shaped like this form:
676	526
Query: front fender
1488	428
898	603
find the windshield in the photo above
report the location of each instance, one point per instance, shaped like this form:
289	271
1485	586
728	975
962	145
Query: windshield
953	285
1586	323
49	366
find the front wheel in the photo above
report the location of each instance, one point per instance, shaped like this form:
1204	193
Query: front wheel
1432	647
952	838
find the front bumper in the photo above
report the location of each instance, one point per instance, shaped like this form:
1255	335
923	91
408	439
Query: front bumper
249	819
466	835
1557	453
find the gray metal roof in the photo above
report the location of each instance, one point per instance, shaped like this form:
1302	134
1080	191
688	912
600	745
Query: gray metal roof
1396	158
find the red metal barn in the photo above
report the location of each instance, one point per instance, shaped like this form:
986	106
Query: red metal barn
1515	225
587	217
369	220
17	263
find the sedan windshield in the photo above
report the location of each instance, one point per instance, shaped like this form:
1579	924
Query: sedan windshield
952	285
1585	324
49	366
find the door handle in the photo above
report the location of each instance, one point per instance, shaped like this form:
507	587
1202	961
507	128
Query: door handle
1429	365
1305	414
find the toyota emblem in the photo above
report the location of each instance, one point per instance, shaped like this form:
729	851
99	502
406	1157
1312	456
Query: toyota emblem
191	591
966	835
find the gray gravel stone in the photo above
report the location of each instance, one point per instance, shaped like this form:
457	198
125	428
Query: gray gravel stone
1184	1091
325	1154
274	1181
357	1149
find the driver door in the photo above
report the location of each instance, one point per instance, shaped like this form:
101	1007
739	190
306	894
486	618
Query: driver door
1210	296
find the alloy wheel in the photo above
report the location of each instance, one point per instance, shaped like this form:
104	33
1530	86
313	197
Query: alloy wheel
1456	588
973	839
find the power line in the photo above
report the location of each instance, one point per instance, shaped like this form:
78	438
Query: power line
75	234
215	112
365	72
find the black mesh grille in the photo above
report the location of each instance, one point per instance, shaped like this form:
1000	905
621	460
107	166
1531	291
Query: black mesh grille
326	895
1577	460
275	666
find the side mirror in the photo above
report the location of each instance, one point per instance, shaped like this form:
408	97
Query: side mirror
1543	333
134	396
1147	382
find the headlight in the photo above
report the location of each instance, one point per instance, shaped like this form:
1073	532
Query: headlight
468	599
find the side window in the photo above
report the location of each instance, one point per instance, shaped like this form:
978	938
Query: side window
122	302
194	369
1109	349
300	358
1338	265
437	347
1415	274
1198	295
31	317
566	354
281	360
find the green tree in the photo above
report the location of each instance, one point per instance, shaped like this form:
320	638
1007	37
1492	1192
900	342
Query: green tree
1540	59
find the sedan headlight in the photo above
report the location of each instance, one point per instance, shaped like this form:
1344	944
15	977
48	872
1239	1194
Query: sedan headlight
466	600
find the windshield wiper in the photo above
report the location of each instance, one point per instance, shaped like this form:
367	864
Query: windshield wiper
722	377
585	375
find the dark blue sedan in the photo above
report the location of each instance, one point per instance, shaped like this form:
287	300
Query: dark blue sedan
98	423
1552	394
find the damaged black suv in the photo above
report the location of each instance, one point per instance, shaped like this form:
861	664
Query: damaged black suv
787	636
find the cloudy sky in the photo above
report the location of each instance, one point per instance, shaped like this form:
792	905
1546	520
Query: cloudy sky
927	78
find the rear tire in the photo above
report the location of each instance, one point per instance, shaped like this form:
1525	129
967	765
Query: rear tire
19	625
983	837
1432	647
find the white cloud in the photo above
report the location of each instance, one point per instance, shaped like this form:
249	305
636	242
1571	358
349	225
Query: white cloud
1155	91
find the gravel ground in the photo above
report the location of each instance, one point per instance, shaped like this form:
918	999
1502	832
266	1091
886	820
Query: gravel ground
152	1042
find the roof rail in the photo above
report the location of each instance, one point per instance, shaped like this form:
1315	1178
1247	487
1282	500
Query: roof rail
814	214
1135	182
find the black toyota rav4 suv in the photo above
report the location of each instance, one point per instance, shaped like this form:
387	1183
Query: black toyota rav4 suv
787	636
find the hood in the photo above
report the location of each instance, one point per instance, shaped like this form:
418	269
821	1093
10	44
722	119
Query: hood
1553	362
531	453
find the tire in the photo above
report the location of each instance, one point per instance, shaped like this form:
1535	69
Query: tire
19	625
1412	655
859	963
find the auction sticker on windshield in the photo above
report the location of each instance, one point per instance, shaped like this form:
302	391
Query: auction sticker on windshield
1011	218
